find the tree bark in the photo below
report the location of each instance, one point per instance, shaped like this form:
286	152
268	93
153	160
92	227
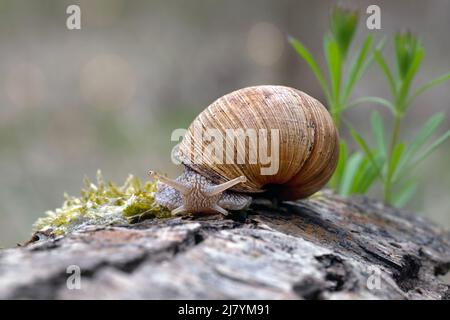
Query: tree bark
327	247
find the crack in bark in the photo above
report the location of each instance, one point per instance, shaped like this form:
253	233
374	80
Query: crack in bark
337	277
310	288
407	278
442	268
336	271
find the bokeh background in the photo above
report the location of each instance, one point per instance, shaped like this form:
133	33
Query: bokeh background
109	95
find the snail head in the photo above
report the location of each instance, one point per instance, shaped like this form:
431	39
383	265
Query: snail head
192	192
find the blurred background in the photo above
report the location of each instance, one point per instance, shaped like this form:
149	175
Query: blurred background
109	95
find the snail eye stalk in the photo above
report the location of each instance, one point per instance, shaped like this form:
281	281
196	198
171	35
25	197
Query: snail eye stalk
224	186
199	195
172	183
179	210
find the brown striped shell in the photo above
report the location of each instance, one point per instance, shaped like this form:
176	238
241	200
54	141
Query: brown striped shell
308	141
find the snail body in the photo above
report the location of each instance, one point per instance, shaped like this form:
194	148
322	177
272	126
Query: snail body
297	129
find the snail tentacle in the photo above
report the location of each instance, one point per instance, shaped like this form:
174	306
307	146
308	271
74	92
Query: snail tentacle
214	190
219	209
192	192
172	183
180	210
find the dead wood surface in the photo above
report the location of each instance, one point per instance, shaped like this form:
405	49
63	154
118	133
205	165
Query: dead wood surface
323	248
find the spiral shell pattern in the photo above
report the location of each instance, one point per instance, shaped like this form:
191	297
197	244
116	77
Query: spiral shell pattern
307	141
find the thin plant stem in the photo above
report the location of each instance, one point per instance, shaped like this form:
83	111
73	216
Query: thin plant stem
337	121
395	132
394	138
336	114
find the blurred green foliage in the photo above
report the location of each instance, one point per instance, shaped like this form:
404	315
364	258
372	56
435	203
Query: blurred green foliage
390	162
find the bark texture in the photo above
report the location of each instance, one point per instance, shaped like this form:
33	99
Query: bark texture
327	247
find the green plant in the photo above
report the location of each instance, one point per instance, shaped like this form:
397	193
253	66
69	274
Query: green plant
336	44
394	160
353	173
388	161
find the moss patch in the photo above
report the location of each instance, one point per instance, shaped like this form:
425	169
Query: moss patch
103	204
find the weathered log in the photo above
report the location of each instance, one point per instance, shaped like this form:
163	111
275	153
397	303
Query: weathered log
327	247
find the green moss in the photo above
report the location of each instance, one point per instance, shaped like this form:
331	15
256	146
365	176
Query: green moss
103	204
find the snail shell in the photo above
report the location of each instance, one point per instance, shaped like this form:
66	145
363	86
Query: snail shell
308	141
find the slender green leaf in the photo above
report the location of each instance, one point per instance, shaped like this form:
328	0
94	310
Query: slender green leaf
406	48
333	58
395	159
368	175
343	23
406	84
402	196
354	188
309	59
351	169
418	141
358	179
381	44
377	100
356	68
425	133
366	150
384	67
378	132
416	161
340	167
379	47
431	148
430	84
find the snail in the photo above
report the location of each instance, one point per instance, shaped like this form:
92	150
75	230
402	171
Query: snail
297	128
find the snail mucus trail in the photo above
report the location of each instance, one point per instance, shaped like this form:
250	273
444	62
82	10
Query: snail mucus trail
307	152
